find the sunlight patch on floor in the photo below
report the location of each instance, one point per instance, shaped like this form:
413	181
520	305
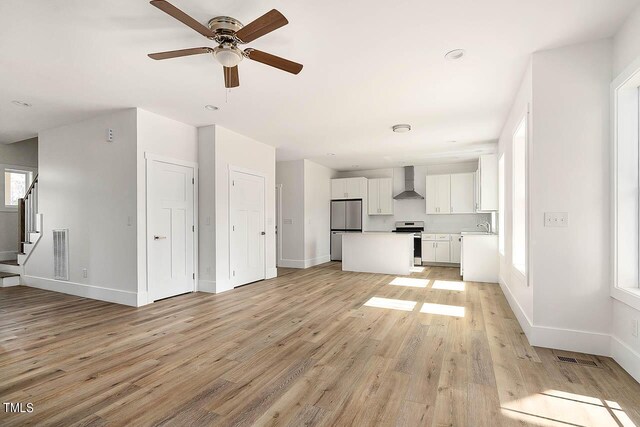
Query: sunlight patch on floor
393	304
554	408
442	309
408	281
448	285
416	269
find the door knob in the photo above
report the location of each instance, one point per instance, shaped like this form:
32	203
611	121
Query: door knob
159	237
262	233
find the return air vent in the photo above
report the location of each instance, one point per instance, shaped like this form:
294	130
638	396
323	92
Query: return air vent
574	361
61	254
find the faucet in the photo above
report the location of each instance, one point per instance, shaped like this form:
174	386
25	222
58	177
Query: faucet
486	225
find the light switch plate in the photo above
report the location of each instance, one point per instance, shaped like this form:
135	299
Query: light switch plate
556	219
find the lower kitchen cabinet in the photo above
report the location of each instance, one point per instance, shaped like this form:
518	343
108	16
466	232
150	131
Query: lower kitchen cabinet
455	248
443	252
441	248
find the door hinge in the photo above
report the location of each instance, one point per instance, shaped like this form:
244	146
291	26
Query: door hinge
193	180
234	273
193	228
233	228
194	276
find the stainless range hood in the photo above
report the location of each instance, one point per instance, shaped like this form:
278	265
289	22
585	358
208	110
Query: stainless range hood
409	188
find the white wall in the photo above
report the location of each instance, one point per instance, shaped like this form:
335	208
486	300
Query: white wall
625	348
235	150
22	153
570	173
513	284
317	213
626	43
291	177
415	210
160	136
88	186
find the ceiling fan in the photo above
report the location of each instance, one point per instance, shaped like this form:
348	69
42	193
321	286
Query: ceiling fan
229	33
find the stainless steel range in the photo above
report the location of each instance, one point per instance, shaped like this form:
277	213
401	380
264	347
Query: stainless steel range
415	227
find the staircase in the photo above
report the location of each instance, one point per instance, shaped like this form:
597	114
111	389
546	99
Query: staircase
30	223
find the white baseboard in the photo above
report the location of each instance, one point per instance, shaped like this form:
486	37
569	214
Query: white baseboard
7	282
291	263
626	357
8	255
82	290
562	339
316	261
271	273
525	323
304	263
207	286
572	340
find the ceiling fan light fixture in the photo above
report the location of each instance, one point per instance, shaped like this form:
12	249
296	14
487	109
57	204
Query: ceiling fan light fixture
228	56
401	128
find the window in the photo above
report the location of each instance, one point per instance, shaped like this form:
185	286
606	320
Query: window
16	182
501	204
519	198
625	92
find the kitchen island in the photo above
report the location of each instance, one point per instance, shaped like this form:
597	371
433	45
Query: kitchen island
377	252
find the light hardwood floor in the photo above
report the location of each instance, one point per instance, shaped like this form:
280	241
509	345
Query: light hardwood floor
307	348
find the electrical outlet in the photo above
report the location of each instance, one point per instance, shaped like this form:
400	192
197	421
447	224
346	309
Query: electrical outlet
556	219
634	328
84	273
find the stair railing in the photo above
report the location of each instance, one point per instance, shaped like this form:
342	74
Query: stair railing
27	210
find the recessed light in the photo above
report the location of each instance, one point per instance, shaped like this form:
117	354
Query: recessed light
21	103
210	107
453	141
402	128
454	55
331	154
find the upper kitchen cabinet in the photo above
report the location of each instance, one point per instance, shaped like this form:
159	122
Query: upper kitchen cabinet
380	201
486	198
348	188
438	194
462	193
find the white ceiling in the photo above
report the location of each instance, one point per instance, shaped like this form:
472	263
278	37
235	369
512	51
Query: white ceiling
368	65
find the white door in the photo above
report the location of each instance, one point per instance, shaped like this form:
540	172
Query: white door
431	194
356	188
170	196
442	252
373	201
455	248
444	194
247	231
338	189
462	193
385	196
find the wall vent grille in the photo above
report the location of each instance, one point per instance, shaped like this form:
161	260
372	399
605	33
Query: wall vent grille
61	254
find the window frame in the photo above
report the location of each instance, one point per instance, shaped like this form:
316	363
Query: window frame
625	140
29	171
501	206
524	120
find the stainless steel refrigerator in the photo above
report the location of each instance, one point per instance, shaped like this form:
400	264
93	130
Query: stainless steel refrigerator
346	217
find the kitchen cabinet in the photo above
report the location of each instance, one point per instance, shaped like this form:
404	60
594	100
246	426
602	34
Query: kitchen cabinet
462	193
436	248
486	197
480	262
380	197
348	188
456	248
438	194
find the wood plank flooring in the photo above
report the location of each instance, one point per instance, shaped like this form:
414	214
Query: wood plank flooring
311	347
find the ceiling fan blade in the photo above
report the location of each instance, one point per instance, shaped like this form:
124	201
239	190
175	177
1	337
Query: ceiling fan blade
178	53
274	61
231	78
268	22
170	9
